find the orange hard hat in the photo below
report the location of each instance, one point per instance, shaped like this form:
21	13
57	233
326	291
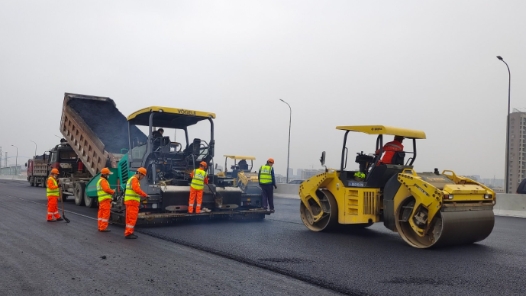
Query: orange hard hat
203	164
141	171
271	160
54	171
106	171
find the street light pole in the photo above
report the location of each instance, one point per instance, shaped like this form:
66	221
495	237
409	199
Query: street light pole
35	147
507	128
16	161
288	153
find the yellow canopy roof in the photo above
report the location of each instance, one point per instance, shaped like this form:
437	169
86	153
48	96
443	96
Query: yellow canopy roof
240	157
169	117
384	130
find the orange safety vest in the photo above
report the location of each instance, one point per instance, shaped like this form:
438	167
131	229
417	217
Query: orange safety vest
390	149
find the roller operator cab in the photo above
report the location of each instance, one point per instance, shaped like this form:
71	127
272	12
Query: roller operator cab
426	209
241	174
169	163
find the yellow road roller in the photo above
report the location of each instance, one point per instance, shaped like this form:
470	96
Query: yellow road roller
427	209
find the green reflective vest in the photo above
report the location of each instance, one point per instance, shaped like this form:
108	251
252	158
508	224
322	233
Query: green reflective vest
265	174
101	193
53	192
129	194
198	180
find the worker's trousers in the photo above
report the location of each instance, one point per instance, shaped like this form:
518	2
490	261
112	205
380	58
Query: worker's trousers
52	208
132	211
104	213
267	196
193	194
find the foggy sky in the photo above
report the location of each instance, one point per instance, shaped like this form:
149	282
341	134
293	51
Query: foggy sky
428	65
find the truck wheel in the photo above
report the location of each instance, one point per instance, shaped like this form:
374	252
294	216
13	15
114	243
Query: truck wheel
89	202
78	190
31	181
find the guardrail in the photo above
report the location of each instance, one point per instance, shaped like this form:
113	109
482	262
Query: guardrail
510	205
13	177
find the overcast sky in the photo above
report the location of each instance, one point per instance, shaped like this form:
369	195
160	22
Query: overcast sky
428	65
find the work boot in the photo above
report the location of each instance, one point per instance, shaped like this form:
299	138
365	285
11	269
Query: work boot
60	219
51	220
105	230
131	236
272	211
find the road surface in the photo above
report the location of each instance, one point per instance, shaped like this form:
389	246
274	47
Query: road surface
277	256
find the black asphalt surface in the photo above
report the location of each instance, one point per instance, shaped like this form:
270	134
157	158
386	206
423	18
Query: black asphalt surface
41	258
374	261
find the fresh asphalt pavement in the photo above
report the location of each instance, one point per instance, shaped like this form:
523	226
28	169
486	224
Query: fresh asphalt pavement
275	256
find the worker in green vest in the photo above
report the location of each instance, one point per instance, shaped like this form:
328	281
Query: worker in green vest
104	193
132	200
266	182
199	179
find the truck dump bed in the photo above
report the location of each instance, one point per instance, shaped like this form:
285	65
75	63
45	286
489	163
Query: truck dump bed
96	130
37	167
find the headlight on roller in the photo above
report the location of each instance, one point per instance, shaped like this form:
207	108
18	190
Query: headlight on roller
487	196
448	196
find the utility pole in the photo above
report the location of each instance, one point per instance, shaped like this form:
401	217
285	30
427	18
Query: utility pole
0	160
5	159
507	181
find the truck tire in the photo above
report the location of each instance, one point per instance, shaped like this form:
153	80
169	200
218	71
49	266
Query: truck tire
89	202
32	181
78	190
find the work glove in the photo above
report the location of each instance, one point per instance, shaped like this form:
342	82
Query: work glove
275	187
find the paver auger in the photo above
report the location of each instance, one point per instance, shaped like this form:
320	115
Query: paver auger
427	209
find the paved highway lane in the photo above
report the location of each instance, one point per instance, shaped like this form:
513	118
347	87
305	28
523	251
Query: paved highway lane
41	258
374	261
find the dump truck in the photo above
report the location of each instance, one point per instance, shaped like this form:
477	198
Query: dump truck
95	134
241	175
61	157
103	137
37	170
427	209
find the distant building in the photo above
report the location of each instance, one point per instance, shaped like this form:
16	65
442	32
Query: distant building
517	152
305	174
299	173
493	183
280	178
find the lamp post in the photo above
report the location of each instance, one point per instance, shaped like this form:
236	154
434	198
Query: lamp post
507	128
288	153
16	161
35	146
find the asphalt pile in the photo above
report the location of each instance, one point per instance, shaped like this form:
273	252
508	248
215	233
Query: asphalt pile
107	122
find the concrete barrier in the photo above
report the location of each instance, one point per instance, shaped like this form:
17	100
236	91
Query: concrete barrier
510	205
288	189
13	177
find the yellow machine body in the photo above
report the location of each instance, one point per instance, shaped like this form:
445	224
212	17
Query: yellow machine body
240	175
427	209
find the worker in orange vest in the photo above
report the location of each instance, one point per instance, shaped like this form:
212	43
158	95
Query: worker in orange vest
390	149
199	179
104	193
53	193
132	200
